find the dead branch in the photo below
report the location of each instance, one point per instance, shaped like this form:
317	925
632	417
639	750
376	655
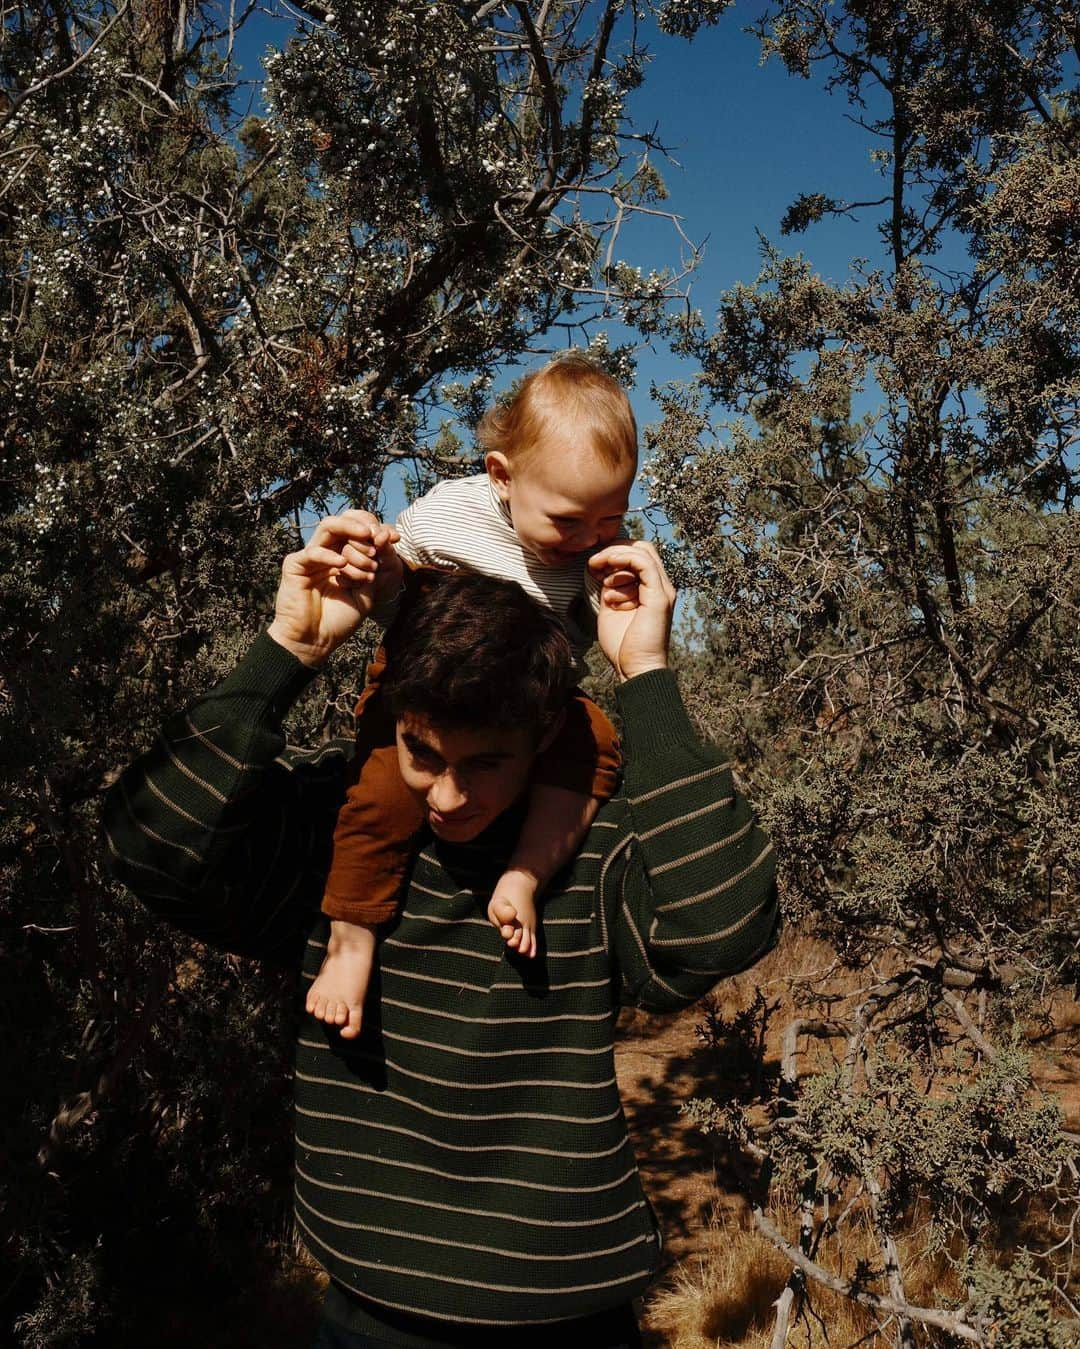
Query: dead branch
929	1316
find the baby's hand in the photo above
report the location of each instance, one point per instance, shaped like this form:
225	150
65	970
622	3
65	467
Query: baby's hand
513	911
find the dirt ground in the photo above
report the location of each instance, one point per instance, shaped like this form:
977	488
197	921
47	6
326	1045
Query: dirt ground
658	1067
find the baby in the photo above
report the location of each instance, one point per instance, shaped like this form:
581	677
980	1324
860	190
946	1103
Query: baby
560	460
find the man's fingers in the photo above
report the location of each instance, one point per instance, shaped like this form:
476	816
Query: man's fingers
354	575
365	517
381	533
640	559
619	602
622	577
638	556
629	552
621	591
355	549
313	561
361	556
382	537
340	528
315	556
618	583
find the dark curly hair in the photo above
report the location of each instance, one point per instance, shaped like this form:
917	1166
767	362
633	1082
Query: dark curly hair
476	651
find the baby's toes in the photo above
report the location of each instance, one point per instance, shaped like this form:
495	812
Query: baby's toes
501	911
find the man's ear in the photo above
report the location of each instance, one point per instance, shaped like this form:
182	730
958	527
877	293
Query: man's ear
552	729
498	470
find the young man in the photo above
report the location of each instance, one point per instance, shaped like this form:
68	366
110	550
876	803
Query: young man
463	1167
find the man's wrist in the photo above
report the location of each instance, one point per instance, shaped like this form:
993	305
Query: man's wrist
640	667
314	656
266	682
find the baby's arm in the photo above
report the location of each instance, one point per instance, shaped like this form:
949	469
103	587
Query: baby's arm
557	821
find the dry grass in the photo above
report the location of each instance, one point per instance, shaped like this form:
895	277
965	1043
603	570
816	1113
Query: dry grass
722	1296
726	1295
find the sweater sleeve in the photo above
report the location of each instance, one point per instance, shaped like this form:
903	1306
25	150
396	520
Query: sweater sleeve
694	899
220	830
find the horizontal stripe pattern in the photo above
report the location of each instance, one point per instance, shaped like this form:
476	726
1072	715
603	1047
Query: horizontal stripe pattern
409	1234
481	1105
470	1210
471	1147
537	1287
704	904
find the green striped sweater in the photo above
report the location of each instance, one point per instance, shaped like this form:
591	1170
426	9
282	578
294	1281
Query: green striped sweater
466	1158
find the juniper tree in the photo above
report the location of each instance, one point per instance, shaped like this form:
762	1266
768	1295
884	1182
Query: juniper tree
873	484
212	323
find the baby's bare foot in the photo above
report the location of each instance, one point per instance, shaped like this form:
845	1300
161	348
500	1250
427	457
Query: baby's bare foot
338	993
516	920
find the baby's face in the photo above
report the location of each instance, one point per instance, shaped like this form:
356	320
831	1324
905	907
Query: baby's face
563	501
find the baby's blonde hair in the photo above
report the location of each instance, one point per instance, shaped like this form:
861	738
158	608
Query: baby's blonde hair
571	391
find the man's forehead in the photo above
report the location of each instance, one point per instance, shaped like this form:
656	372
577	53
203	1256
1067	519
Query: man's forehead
459	742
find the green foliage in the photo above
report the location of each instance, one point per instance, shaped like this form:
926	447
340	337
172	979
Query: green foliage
887	595
873	488
1015	1305
980	1140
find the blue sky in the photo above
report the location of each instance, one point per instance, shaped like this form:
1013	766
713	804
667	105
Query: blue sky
747	140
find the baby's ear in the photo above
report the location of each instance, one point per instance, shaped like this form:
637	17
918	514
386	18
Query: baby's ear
498	470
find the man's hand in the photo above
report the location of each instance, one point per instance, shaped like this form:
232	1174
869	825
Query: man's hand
329	587
633	625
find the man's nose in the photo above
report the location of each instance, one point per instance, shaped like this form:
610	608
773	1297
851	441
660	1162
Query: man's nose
447	794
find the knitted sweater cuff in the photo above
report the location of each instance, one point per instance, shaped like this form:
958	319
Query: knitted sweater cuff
265	684
653	714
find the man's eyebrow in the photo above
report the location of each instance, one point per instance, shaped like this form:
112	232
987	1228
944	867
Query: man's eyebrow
491	754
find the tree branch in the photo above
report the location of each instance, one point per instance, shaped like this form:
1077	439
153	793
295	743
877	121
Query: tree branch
16	103
929	1316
